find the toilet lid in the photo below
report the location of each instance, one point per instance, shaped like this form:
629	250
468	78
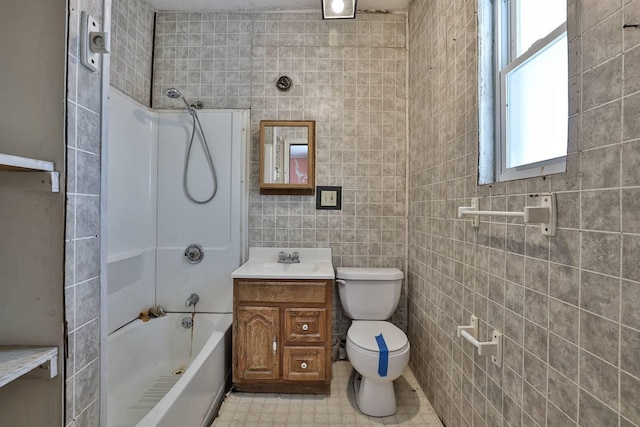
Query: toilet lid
371	274
363	334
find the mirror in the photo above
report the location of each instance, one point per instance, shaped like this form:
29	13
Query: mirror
287	157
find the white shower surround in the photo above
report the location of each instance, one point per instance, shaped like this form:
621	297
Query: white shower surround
149	224
216	226
132	192
150	221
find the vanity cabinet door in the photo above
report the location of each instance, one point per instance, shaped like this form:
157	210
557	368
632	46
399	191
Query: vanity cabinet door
257	343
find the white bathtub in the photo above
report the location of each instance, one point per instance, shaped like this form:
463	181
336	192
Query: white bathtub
142	359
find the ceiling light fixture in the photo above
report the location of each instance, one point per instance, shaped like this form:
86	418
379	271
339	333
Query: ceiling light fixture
338	9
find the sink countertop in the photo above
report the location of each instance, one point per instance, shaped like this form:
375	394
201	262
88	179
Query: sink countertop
315	263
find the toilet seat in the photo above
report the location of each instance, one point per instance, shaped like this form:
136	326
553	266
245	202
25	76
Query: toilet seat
362	334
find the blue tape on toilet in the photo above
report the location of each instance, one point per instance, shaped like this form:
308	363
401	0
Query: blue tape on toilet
383	361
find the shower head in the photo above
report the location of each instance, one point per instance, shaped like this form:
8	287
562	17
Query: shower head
174	93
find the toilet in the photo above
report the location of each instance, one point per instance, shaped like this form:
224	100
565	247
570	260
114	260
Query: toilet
378	350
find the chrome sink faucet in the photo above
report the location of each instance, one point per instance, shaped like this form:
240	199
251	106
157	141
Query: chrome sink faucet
284	258
192	300
292	258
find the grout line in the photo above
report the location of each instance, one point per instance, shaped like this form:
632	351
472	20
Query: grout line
81	283
96	400
77	328
581	235
83	195
86	152
85	367
85	238
562	412
621	218
73	242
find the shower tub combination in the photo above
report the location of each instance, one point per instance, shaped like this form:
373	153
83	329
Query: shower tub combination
162	374
159	373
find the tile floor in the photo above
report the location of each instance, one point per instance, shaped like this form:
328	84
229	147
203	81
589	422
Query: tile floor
338	409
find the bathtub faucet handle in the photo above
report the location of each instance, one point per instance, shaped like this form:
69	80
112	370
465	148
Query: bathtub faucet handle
192	300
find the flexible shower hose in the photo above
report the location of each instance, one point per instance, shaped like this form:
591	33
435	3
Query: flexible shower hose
205	148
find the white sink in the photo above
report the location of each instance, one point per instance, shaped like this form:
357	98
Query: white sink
274	267
263	263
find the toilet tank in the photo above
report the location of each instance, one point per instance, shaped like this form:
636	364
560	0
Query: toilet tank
369	293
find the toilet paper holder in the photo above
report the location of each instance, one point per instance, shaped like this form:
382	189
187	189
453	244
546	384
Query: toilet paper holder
491	348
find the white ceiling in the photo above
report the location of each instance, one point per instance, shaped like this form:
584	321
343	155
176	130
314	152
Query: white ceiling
269	5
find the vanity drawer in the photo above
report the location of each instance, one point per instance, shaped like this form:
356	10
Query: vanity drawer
304	363
305	325
281	291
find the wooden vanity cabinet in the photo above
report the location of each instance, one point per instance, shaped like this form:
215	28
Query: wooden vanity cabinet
282	335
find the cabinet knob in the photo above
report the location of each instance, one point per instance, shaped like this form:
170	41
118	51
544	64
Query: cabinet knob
303	365
305	327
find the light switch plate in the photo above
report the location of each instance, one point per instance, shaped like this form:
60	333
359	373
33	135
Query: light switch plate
329	198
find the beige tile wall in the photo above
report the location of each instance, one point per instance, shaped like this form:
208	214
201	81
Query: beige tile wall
348	76
567	305
207	56
82	238
132	23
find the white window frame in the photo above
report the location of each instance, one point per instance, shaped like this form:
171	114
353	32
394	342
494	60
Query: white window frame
498	24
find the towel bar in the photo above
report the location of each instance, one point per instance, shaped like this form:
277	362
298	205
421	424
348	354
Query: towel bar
545	214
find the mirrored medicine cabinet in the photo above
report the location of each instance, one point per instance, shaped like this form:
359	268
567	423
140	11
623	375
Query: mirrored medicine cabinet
287	157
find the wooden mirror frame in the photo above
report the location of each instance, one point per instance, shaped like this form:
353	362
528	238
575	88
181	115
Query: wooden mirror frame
290	189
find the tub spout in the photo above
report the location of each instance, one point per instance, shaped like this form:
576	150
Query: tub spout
192	300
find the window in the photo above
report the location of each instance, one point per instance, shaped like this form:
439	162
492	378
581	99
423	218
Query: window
523	89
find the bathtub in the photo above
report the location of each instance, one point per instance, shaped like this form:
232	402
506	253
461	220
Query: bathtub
161	374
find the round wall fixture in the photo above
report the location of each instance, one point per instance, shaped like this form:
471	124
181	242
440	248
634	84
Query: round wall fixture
284	83
194	253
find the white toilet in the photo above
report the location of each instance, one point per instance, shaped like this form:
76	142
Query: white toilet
369	296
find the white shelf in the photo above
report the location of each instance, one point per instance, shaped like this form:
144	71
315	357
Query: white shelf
8	162
23	173
16	361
